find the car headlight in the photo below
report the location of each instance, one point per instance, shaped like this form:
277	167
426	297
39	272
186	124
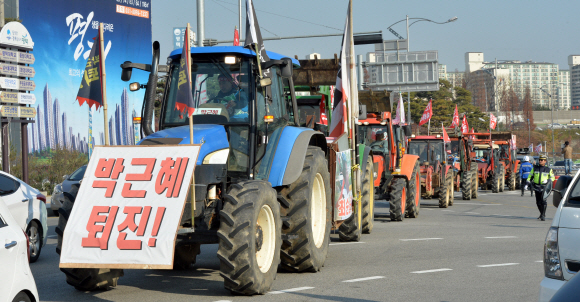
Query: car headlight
57	189
552	264
217	157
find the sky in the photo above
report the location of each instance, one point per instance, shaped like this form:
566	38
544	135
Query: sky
539	31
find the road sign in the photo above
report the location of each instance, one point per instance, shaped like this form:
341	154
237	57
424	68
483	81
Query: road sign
9	111
27	112
17	84
407	71
16	57
17	70
17	97
26	58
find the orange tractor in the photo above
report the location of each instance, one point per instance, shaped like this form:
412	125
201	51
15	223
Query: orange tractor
397	174
507	155
490	170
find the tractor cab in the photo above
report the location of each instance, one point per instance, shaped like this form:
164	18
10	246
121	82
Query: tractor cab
430	149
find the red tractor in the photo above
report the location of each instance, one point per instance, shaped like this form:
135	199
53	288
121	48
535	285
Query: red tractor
490	169
507	155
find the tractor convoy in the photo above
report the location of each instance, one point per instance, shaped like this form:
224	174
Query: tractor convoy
271	184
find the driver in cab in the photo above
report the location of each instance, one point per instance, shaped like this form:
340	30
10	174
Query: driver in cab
235	102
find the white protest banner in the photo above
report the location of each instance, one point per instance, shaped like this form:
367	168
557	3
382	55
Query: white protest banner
128	208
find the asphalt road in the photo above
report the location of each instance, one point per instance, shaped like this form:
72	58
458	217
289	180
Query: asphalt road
489	249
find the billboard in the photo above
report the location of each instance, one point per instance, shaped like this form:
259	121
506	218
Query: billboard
63	32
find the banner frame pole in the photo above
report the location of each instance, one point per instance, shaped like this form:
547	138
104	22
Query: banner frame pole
192	186
104	83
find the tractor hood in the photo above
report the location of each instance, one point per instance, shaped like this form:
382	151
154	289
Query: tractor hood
210	137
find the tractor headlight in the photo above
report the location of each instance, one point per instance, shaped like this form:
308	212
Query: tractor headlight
217	157
552	264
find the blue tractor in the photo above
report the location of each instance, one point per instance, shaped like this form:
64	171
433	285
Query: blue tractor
261	182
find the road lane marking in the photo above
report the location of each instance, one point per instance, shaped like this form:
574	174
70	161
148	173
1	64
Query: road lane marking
418	239
447	211
479	204
341	243
432	271
501	215
540	261
290	290
471	213
364	279
500	264
426	209
500	237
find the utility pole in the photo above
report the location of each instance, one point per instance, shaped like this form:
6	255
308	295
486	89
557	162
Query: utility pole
408	92
200	22
2	13
240	19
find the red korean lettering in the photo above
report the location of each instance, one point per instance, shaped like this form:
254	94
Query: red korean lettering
104	167
108	184
170	176
108	168
145	176
103	242
128	193
156	225
129	224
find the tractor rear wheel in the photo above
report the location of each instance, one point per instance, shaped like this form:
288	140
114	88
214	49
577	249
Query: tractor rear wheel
474	182
307	205
446	191
83	279
249	238
398	199
502	179
466	186
414	193
368	198
496	180
518	181
451	188
512	181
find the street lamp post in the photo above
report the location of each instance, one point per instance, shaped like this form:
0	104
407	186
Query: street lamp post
552	118
529	133
409	42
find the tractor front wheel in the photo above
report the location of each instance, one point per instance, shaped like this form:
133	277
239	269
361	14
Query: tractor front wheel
398	199
474	181
249	238
466	186
368	198
502	179
445	192
414	193
496	180
512	181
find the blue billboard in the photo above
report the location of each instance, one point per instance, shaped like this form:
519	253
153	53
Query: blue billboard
63	33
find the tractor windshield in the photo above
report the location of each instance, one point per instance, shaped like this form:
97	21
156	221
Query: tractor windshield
482	154
220	91
368	133
427	150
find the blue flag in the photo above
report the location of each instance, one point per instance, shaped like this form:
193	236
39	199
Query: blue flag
184	101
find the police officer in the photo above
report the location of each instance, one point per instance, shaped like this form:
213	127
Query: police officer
525	168
539	176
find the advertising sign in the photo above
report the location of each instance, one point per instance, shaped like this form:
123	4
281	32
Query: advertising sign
27	112
8	111
17	70
129	207
14	83
63	33
17	97
15	35
342	185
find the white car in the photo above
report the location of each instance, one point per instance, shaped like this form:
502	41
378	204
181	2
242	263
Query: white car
16	280
28	207
562	245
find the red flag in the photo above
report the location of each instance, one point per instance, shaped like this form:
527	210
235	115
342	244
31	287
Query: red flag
464	125
236	37
455	122
492	121
445	135
538	148
323	118
426	114
472	136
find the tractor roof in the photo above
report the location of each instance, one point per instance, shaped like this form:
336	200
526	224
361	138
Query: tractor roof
429	137
230	50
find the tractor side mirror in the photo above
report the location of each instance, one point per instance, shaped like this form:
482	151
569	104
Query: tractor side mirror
126	72
362	112
407	130
286	69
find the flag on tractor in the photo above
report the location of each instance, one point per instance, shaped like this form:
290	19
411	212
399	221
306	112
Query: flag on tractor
446	138
254	35
531	147
492	121
455	122
513	142
184	96
426	114
400	116
91	90
538	148
342	92
472	131
464	125
236	37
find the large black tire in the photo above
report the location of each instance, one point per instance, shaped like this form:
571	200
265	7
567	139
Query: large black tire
398	199
35	239
518	181
22	297
466	186
249	238
83	279
185	256
496	180
512	181
451	187
307	204
444	191
502	179
368	198
414	193
474	181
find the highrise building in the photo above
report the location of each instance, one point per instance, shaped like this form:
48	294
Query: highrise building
574	65
70	138
102	138
119	125
564	89
126	126
57	124
65	137
41	127
30	139
112	131
48	118
31	126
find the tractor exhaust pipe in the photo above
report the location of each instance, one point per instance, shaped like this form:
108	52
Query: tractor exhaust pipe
149	106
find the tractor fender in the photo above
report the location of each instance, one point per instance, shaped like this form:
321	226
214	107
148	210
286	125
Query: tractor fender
366	154
407	166
288	159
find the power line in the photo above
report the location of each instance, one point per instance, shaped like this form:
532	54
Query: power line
318	24
235	13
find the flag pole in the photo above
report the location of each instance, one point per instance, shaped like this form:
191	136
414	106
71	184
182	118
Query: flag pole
429	127
188	65
353	90
104	82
